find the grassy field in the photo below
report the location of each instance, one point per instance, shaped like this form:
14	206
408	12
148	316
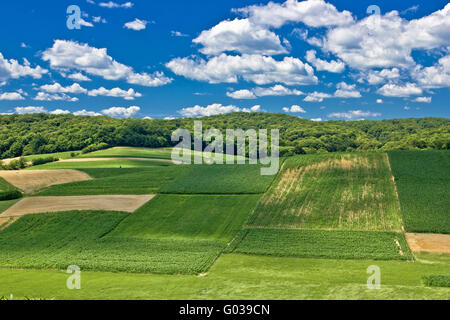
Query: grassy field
55	241
189	216
332	191
220	179
119	181
324	244
423	184
5	186
126	152
107	164
242	277
159	153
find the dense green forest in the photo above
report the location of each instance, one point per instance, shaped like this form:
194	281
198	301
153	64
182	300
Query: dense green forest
44	133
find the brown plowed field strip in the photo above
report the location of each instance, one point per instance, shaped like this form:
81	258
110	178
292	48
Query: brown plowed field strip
125	203
421	242
32	181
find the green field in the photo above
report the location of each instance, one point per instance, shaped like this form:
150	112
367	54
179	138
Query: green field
187	216
242	277
128	152
332	191
220	179
5	186
55	241
324	244
423	184
226	232
112	181
112	164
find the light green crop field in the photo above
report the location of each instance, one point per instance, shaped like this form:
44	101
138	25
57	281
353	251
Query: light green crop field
119	181
332	191
333	244
220	179
189	216
125	152
245	277
159	153
55	241
112	164
423	183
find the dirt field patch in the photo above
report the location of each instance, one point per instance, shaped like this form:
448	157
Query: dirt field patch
60	204
32	181
424	242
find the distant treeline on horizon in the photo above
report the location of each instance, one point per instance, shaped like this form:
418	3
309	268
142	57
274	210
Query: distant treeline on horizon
22	135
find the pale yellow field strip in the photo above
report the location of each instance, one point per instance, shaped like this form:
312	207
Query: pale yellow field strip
421	242
124	203
112	159
31	181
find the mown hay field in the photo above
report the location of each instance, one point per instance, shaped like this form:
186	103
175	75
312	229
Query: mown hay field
332	191
423	183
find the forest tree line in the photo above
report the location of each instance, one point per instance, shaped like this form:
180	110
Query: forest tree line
22	135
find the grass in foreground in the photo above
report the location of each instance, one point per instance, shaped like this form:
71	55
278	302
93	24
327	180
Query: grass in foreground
332	191
220	179
56	241
189	216
324	244
241	277
423	183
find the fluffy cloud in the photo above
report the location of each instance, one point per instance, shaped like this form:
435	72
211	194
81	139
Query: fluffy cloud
346	91
70	55
252	68
44	96
12	69
58	88
112	5
378	77
11	96
322	65
241	94
115	92
396	90
60	111
294	109
84	112
354	115
121	112
136	25
214	109
383	41
437	76
277	90
239	35
317	97
423	99
78	76
30	110
313	13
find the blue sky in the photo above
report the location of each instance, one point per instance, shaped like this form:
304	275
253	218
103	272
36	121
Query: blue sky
321	60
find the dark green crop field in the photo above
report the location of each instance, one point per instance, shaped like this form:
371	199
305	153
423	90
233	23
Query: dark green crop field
325	244
423	183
